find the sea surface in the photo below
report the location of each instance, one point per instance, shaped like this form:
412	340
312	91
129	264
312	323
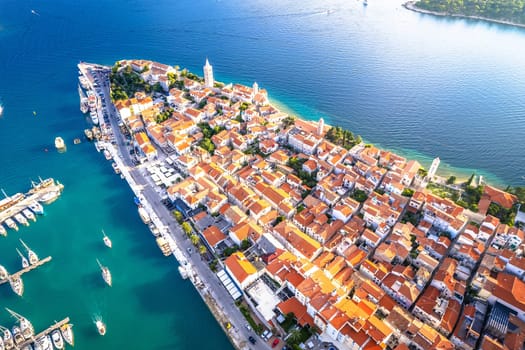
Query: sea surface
420	85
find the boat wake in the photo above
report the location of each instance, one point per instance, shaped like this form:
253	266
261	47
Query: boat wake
35	13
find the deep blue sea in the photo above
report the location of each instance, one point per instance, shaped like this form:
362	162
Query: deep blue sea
420	85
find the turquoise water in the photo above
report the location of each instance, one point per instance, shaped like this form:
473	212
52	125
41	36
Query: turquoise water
420	85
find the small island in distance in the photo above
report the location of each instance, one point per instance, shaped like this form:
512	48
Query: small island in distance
500	11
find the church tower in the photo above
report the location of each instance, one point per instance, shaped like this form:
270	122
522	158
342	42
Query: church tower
320	127
255	89
208	74
433	168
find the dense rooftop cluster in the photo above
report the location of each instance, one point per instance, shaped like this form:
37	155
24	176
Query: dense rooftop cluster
326	232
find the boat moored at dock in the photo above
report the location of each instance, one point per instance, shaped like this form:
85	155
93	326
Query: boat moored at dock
49	197
29	214
25	262
17	335
144	215
16	285
58	341
43	343
3	273
8	338
26	328
11	224
3	231
33	258
21	219
36	207
67	333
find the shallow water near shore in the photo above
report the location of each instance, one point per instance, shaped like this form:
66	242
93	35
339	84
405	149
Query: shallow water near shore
420	85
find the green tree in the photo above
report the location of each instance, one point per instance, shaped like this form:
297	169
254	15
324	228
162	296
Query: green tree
194	239
202	249
288	121
407	192
451	180
360	196
186	228
178	216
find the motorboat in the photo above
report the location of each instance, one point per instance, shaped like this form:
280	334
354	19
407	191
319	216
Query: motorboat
36	207
3	273
144	215
106	274
11	224
7	338
101	327
17	335
21	219
3	231
43	343
67	333
49	197
58	341
59	143
26	327
25	262
106	240
29	214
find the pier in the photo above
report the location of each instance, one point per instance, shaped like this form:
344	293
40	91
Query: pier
45	332
27	269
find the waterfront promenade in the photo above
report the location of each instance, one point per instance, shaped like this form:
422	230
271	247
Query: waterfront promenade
206	282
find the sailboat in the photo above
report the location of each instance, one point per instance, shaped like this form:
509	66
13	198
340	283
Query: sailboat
25	262
16	284
106	240
26	327
67	333
106	274
33	258
3	273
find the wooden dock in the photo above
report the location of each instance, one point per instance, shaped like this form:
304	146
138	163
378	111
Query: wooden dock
45	332
27	269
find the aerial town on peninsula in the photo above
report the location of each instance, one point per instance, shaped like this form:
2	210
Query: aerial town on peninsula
313	235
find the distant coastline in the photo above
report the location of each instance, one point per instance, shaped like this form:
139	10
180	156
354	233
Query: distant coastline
411	5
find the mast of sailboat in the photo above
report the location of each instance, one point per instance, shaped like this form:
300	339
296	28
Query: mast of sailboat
100	265
104	233
20	253
3	329
25	245
14	314
5	194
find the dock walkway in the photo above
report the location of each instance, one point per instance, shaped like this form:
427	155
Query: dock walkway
27	269
45	332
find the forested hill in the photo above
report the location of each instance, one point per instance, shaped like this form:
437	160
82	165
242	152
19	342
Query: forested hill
502	10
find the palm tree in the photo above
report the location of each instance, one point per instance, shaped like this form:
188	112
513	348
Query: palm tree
294	336
202	249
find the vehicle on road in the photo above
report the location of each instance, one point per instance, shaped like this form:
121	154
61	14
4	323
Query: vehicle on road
252	339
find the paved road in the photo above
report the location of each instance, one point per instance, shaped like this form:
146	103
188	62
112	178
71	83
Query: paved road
211	286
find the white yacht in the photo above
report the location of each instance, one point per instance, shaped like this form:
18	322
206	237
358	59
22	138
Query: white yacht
11	224
3	273
106	240
106	274
29	214
144	215
26	327
17	335
2	346
101	327
57	339
21	219
49	197
33	258
1	109
59	143
43	343
16	285
67	333
36	207
25	262
3	231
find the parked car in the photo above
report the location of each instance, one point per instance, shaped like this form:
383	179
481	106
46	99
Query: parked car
251	339
275	342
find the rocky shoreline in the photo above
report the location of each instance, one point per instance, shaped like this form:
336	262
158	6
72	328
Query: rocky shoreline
411	5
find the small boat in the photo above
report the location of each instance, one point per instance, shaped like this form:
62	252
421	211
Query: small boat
59	143
29	214
17	335
3	232
67	333
33	258
58	341
16	285
44	343
7	338
3	273
115	168
49	197
89	134
136	200
2	345
107	155
1	109
106	274
144	215
76	141
101	327
106	240
21	219
25	262
11	224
